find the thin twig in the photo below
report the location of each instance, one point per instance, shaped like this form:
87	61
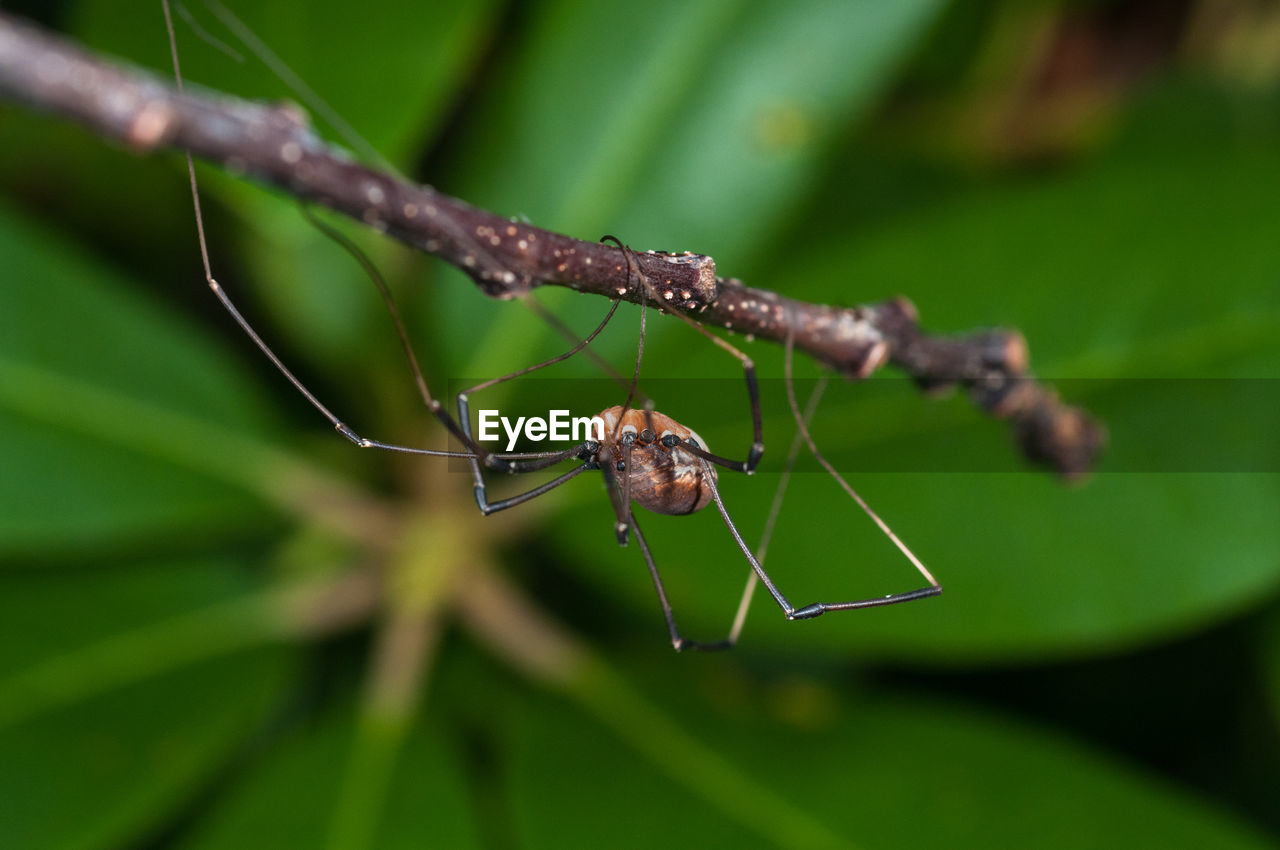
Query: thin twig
507	259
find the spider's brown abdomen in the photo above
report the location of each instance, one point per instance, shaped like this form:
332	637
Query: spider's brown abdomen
664	480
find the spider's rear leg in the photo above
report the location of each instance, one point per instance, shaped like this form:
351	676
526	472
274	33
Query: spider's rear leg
815	609
753	396
678	641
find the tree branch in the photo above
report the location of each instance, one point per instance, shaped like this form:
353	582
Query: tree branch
272	143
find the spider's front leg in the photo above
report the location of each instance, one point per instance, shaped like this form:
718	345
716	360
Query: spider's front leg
520	464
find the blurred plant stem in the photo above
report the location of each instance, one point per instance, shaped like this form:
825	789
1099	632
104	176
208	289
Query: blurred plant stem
283	479
296	611
402	656
429	561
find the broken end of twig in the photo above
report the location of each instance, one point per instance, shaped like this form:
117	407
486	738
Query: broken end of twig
1067	439
1064	438
993	365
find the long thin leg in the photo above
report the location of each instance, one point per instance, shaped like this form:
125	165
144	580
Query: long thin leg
585	452
487	507
624	519
235	314
626	437
290	78
419	380
500	462
514	463
632	268
677	640
565	331
775	509
753	396
934	588
475	247
581	344
621	509
521	463
207	37
816	608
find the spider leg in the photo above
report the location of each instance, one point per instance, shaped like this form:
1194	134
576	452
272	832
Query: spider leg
341	427
487	507
568	333
814	609
678	641
384	291
803	428
624	519
621	506
514	464
753	396
262	345
496	461
526	463
747	466
581	344
775	509
634	385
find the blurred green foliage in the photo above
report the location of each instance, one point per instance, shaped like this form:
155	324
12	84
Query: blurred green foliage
181	662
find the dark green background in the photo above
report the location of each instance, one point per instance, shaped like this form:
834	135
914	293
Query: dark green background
1104	667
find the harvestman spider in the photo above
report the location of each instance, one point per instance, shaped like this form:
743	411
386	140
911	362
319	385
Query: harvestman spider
649	458
645	457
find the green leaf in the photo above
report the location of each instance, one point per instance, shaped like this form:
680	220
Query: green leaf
748	143
288	797
45	614
96	385
105	772
875	771
123	690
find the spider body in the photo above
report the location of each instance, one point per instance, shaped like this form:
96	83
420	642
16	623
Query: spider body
665	478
